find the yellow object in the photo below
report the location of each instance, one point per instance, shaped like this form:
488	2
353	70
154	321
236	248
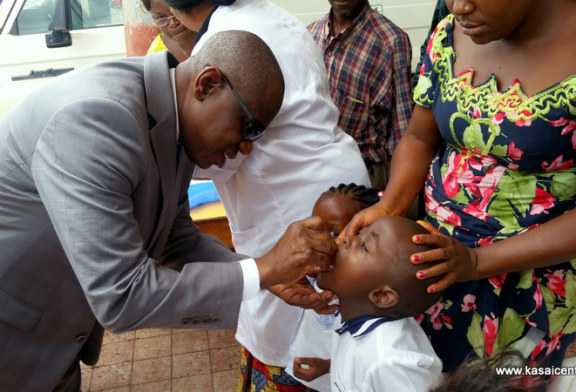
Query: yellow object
208	211
157	45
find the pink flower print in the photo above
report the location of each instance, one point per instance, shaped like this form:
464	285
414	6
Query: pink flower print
474	210
457	173
448	216
497	281
557	282
531	323
419	318
520	119
521	122
538	297
488	185
554	343
557	164
429	47
498	118
485	241
476	113
422	69
431	203
490	331
514	153
484	190
569	126
542	202
468	303
538	349
434	312
487	160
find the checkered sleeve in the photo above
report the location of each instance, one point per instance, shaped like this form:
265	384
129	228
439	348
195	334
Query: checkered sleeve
402	107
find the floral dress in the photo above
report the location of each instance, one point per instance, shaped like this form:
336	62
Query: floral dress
507	165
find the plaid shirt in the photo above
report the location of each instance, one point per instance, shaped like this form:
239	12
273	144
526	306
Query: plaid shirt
369	69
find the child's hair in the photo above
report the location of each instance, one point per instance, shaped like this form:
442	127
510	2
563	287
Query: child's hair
366	196
480	376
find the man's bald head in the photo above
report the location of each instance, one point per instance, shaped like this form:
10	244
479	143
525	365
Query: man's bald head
243	57
227	92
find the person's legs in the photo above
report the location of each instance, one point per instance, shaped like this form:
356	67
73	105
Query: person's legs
256	376
245	371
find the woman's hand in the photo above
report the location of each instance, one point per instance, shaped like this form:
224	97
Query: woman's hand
361	220
458	263
311	368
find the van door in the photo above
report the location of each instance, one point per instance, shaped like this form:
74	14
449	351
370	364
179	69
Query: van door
41	39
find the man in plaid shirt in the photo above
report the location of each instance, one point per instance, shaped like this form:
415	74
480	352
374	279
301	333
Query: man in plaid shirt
368	61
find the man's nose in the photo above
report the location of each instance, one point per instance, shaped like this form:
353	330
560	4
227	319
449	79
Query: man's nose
245	147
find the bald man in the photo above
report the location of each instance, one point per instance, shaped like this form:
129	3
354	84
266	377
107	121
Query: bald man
94	171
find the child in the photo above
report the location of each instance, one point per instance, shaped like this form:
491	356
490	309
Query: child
312	339
378	346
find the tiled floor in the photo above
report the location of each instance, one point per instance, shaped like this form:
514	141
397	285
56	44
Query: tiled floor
163	360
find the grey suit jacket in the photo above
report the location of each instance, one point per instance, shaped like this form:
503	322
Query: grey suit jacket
93	200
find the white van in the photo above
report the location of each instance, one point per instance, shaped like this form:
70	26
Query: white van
41	39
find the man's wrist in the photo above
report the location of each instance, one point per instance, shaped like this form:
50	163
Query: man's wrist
251	279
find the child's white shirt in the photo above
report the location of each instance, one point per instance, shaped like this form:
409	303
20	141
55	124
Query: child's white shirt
377	356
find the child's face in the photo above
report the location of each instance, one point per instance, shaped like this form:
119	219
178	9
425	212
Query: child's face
336	210
360	263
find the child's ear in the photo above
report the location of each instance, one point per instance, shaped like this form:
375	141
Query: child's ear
384	297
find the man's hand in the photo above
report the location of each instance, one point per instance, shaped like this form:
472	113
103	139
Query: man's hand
311	368
303	294
302	250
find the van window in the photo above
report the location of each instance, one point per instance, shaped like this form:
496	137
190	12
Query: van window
35	17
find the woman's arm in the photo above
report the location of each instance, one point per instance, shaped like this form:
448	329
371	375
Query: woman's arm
409	166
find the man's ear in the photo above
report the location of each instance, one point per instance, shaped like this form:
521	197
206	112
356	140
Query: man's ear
207	83
384	297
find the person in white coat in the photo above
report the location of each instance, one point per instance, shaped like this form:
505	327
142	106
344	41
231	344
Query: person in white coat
303	153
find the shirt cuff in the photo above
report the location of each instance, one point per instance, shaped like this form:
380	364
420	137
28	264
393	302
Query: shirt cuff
251	279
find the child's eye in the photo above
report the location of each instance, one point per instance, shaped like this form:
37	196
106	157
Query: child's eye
334	234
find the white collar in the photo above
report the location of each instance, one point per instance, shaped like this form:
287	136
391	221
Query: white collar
173	79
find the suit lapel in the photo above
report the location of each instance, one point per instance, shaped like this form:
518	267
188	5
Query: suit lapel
161	113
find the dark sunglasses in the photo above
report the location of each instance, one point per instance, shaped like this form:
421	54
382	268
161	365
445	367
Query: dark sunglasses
254	130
